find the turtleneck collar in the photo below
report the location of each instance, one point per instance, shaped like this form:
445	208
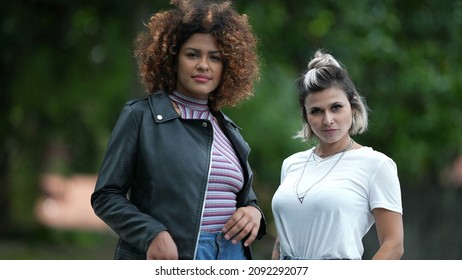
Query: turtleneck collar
190	102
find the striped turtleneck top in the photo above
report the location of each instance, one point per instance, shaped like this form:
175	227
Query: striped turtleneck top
226	175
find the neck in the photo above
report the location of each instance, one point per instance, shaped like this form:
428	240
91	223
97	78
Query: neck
324	151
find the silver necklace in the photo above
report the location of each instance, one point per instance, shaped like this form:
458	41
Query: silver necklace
322	159
301	196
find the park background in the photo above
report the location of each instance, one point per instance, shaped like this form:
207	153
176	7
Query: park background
67	67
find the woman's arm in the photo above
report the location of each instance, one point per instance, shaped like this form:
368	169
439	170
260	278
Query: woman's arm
109	199
390	233
276	250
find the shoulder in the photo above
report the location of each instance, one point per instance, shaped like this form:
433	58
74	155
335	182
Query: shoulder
294	162
156	104
137	103
373	160
369	154
134	109
157	97
297	157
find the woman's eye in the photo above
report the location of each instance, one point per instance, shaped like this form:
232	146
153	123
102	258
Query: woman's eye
336	107
315	111
215	58
191	54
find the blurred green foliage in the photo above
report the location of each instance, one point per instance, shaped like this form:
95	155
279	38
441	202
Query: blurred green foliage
67	68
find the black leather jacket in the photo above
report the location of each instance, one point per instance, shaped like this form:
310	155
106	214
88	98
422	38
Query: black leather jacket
154	176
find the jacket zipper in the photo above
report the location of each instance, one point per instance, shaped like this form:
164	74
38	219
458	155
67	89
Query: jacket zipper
205	193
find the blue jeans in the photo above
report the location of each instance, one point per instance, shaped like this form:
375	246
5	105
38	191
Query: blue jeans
214	246
282	257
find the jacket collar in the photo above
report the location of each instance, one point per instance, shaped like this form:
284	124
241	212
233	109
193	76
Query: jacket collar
161	107
163	111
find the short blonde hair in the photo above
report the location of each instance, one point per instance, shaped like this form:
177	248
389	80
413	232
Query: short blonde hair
324	72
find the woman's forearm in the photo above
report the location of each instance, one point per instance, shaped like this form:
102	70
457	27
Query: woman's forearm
276	250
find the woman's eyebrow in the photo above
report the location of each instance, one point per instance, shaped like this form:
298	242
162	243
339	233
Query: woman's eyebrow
198	50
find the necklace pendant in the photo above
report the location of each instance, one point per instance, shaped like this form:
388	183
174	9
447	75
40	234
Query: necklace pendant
301	199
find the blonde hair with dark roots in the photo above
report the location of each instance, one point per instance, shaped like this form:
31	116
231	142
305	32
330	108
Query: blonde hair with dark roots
324	72
157	48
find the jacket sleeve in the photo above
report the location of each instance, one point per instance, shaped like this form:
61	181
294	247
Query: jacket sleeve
243	149
252	201
109	200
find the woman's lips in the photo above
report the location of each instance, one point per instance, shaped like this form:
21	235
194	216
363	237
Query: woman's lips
329	131
201	78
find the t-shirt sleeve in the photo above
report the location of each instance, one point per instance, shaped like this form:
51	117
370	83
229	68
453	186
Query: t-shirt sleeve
385	190
283	170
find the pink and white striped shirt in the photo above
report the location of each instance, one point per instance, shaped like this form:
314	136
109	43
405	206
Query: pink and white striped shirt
226	175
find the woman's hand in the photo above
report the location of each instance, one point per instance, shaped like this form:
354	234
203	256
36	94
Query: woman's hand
244	222
162	247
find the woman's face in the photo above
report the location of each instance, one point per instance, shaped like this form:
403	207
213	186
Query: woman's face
329	115
200	66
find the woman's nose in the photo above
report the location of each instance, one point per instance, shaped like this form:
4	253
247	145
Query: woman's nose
328	119
203	64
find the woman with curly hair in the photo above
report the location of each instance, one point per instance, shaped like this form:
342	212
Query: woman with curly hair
175	182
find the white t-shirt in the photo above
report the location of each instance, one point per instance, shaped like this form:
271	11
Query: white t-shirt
335	213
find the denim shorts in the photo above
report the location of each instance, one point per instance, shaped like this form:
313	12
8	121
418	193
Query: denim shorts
214	246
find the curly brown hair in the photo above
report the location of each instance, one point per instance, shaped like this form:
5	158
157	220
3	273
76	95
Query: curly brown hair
157	48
